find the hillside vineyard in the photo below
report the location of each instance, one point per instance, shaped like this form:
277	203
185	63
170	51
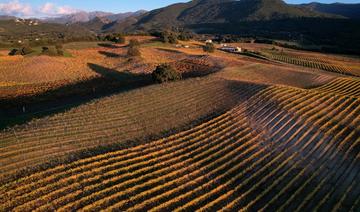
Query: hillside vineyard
201	105
302	142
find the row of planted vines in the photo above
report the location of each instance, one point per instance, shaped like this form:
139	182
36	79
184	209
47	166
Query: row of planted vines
279	150
307	62
343	86
117	119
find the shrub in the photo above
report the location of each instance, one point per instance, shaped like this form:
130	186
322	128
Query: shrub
165	73
209	47
133	43
185	36
59	46
60	52
119	39
59	49
133	51
15	52
116	38
26	50
169	37
49	52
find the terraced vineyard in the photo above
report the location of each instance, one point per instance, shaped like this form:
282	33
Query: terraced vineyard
308	62
283	149
117	119
343	86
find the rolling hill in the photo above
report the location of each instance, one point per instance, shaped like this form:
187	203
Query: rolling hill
224	11
271	19
77	17
83	17
346	10
13	31
112	23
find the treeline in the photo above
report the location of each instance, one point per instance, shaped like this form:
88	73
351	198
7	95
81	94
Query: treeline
16	43
328	35
172	36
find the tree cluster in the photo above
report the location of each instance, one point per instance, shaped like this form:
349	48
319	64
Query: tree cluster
116	38
165	73
25	50
134	50
209	47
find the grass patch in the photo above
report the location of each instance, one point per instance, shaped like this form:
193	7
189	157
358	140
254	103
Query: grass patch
81	45
156	44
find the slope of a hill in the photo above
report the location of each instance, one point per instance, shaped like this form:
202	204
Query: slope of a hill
82	17
275	75
6	17
219	11
342	86
117	120
112	23
346	10
78	17
19	29
272	19
284	149
97	24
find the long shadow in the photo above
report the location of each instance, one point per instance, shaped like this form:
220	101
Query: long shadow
110	54
170	50
109	45
68	96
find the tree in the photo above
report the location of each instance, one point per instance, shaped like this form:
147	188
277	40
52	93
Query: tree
185	36
133	43
134	50
209	47
26	50
59	49
47	51
165	73
14	52
168	37
116	38
59	46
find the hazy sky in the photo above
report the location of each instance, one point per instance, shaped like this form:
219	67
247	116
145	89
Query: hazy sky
45	8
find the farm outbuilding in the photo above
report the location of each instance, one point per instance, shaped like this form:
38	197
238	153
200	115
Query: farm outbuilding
231	49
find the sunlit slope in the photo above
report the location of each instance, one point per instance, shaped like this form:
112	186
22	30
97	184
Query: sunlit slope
342	86
283	149
311	62
119	119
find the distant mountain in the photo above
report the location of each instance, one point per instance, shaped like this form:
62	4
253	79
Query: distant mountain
123	16
346	10
112	23
223	11
82	17
77	17
264	19
6	17
96	24
20	30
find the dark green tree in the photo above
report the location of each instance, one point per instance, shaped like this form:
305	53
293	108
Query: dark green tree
209	47
165	73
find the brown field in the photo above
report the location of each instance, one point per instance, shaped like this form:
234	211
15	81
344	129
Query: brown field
238	133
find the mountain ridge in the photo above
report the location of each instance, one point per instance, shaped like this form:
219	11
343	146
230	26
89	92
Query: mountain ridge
224	11
83	17
351	11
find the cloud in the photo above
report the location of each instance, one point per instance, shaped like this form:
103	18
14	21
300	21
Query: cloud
17	8
47	8
50	9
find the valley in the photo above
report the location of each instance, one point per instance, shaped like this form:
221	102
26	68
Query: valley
141	116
